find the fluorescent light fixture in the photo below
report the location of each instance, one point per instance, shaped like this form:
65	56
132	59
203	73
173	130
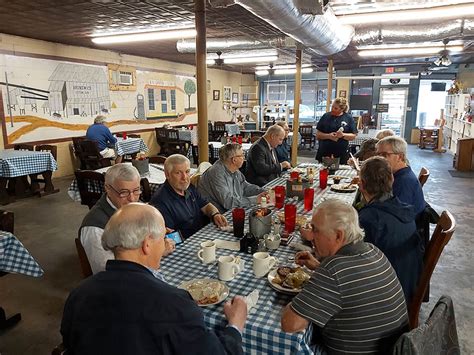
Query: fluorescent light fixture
145	36
262	72
210	61
292	71
282	66
411	45
250	60
244	54
407	51
427	13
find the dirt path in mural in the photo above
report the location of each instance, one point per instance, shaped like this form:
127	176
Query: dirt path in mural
37	122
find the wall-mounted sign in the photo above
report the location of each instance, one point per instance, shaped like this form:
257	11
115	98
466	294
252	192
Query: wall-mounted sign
381	107
389	70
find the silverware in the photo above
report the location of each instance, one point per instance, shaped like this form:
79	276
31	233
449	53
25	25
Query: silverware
157	167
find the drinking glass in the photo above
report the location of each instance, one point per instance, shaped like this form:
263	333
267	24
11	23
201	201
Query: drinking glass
290	217
308	199
323	178
280	193
238	219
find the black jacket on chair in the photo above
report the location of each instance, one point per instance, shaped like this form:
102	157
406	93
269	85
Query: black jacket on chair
261	168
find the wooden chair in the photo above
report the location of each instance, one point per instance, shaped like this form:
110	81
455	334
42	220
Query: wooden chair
48	187
87	180
7	221
307	136
423	176
195	154
213	154
84	262
441	236
90	156
146	190
29	147
160	159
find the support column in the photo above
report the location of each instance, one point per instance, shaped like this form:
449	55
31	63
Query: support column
201	79
329	96
296	111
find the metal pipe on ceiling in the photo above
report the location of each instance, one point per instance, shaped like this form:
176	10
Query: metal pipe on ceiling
237	43
322	33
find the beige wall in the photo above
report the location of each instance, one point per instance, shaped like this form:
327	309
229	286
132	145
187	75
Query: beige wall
14	45
343	84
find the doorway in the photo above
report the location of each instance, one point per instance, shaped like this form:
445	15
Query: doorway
394	119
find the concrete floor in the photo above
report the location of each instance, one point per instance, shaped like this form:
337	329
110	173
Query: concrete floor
47	227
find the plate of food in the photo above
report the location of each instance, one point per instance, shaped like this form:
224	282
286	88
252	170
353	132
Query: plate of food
344	187
206	292
288	279
337	178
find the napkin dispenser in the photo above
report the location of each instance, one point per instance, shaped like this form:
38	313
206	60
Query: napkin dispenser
141	165
296	188
249	244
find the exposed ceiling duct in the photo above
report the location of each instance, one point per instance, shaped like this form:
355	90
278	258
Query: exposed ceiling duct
415	33
322	33
237	43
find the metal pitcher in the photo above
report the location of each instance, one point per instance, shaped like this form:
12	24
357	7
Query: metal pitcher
260	225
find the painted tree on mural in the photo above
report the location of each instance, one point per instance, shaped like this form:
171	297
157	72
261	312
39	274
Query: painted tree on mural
189	89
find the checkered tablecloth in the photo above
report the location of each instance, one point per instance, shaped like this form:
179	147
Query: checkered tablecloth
185	135
23	162
14	258
130	146
262	334
232	129
362	137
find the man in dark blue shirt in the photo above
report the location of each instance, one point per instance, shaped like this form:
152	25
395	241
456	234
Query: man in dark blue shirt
180	203
100	133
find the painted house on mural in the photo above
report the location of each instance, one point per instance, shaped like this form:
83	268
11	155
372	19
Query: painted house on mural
78	90
161	101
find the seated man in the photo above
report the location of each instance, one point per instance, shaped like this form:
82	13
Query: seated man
129	309
122	186
390	224
101	134
223	183
353	298
283	150
181	205
405	185
262	162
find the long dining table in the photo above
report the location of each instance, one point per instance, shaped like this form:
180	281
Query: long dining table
262	333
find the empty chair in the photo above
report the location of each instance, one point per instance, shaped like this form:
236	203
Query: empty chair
76	149
213	154
307	136
195	154
441	236
83	261
160	159
423	176
48	187
91	186
29	147
146	190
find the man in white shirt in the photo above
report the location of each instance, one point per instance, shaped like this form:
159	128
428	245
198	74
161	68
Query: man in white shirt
122	186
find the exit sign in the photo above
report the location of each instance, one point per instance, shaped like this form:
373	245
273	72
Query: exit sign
389	70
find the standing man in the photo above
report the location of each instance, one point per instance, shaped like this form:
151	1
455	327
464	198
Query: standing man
127	309
223	183
262	162
283	150
122	186
181	205
100	133
334	131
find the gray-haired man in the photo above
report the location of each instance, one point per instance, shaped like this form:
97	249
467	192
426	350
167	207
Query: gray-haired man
223	183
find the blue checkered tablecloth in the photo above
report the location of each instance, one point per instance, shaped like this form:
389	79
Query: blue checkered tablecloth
130	146
232	129
362	137
262	333
186	135
23	162
14	258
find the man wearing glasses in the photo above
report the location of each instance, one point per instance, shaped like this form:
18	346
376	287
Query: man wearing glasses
225	186
122	186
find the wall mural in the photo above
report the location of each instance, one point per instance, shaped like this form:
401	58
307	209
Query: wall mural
46	99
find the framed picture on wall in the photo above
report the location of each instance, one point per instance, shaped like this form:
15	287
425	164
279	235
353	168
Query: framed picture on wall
216	95
342	93
235	98
227	94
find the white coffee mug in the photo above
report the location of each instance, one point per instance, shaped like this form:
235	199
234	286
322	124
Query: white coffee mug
227	268
207	253
262	263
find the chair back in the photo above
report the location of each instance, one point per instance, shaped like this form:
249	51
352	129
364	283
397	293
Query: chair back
173	135
195	154
161	135
84	262
423	176
133	135
146	190
48	148
91	186
213	154
90	156
219	127
160	159
306	130
29	147
441	236
7	221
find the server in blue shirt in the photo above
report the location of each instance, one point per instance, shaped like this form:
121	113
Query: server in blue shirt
181	205
334	131
101	134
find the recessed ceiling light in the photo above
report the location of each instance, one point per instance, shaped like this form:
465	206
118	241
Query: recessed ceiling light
145	36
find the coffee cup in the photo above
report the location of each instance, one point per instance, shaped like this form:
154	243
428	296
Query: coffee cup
227	268
207	253
262	263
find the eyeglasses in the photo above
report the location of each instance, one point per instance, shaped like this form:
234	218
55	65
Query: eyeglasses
385	154
239	156
125	193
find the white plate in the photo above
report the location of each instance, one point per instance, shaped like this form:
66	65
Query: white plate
344	188
289	291
222	294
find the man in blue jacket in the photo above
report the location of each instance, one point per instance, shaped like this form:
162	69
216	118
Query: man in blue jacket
100	133
129	309
389	224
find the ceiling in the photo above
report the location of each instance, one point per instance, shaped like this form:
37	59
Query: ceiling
74	22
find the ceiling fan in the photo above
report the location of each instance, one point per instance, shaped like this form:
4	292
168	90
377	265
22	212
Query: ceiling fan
443	60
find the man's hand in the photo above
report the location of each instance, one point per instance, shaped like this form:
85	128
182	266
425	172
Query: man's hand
219	220
236	312
262	194
305	258
285	165
170	246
